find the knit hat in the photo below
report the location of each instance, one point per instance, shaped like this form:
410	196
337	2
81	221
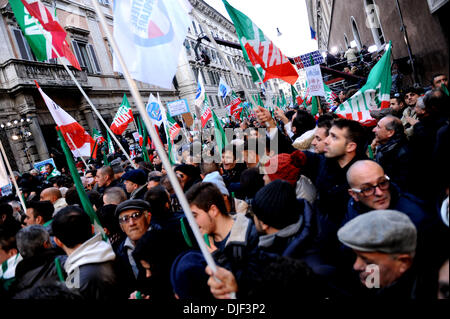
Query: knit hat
188	277
386	231
137	176
286	167
276	205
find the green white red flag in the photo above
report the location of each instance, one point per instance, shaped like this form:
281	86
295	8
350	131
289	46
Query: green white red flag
123	117
375	94
34	19
259	51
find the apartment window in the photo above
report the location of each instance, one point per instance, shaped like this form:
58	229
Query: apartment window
217	100
373	21
211	100
86	57
188	47
104	2
22	44
356	33
195	28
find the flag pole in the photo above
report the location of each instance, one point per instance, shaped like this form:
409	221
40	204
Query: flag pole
13	179
84	93
79	153
160	149
233	71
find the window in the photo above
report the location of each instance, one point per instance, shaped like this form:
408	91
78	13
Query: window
86	57
356	33
195	28
217	100
211	100
22	44
346	42
188	47
373	22
104	2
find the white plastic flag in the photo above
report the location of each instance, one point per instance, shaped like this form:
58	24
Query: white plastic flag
150	36
224	89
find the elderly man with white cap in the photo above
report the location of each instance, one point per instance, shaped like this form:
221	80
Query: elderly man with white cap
385	243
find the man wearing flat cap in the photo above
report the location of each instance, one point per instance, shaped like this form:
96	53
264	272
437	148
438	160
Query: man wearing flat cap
135	182
384	242
134	219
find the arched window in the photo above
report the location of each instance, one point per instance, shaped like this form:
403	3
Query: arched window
373	22
356	33
346	42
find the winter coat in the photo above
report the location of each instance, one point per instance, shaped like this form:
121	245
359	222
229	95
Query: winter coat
395	158
33	272
241	242
90	269
139	193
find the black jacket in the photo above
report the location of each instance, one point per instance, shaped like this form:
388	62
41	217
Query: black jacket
33	272
395	158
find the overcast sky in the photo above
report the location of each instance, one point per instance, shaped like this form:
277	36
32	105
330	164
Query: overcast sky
290	16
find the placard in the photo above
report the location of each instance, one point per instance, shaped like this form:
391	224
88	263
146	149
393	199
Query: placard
309	59
40	166
178	107
315	81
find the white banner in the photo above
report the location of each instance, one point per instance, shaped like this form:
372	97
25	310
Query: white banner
315	81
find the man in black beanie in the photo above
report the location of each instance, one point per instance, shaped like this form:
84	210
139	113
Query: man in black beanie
282	221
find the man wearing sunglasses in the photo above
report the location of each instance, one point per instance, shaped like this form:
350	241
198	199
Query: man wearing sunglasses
134	219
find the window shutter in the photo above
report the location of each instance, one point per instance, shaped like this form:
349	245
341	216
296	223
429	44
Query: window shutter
21	44
76	49
94	58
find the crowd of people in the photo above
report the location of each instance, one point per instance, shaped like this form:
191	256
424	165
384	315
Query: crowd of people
295	207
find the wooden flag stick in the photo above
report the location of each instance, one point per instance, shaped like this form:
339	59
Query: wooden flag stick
159	147
13	179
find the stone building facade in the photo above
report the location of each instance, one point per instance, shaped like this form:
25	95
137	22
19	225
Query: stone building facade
376	22
34	139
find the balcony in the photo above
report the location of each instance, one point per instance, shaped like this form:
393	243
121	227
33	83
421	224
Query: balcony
18	74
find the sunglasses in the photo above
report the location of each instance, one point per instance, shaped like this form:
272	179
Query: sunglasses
135	216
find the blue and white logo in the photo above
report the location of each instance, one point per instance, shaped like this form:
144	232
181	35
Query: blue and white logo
150	23
154	111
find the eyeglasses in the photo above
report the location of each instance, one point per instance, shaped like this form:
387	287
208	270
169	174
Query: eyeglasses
125	219
370	190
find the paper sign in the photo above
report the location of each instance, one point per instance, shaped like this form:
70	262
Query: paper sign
178	107
315	81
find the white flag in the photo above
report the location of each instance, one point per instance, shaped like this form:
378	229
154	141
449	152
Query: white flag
4	179
200	95
150	36
72	131
154	110
224	89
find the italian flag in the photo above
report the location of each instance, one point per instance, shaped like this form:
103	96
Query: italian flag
375	94
172	130
219	133
34	19
124	116
259	51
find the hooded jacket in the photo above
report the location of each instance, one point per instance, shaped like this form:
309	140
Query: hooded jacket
90	269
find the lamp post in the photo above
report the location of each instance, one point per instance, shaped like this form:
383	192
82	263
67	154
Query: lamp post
408	46
19	132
